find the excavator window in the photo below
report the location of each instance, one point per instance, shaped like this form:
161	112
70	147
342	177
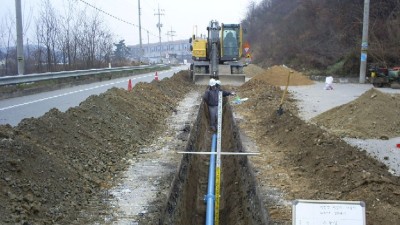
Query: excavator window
230	43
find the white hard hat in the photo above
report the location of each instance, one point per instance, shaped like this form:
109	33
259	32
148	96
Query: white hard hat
212	82
218	82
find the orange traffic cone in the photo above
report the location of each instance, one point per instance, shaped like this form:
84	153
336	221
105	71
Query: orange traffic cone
156	76
129	85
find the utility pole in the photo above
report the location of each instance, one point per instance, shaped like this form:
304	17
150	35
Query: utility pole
171	34
20	41
364	44
148	38
159	25
140	36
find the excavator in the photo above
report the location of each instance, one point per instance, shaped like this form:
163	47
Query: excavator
218	55
382	76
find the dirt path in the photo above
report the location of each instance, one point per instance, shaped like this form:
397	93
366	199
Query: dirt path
143	191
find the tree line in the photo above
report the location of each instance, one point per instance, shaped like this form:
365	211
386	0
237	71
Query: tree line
322	34
69	40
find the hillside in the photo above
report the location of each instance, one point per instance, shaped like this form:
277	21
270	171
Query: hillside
322	35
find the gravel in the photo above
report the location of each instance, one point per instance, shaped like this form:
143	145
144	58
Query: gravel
314	100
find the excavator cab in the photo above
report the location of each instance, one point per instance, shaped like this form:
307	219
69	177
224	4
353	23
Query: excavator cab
231	49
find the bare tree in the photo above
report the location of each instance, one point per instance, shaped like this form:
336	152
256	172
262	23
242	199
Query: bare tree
72	39
8	40
47	33
96	41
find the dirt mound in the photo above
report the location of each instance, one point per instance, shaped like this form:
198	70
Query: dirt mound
252	70
54	167
278	75
373	115
305	162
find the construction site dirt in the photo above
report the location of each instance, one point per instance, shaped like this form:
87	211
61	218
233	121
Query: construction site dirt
114	160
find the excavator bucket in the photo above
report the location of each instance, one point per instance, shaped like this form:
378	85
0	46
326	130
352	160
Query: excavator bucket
226	79
225	76
201	79
232	79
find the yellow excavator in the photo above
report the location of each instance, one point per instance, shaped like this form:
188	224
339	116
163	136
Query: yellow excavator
218	55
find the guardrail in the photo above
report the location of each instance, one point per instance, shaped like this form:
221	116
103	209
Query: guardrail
7	80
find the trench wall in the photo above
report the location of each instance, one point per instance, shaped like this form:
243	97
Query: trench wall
239	202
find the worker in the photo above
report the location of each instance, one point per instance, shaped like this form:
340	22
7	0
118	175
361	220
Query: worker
211	99
230	44
230	39
212	81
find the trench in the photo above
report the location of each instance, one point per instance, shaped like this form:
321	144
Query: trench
240	202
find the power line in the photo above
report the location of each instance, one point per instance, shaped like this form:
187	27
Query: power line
117	18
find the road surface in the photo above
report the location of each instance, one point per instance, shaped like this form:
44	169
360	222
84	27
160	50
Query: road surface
13	110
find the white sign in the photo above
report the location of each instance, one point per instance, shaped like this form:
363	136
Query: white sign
246	49
320	212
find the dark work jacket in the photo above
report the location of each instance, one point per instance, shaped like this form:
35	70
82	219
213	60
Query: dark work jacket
211	96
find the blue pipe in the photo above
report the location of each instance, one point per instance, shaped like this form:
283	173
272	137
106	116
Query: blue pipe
210	197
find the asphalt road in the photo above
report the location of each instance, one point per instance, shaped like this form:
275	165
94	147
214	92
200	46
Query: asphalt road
13	110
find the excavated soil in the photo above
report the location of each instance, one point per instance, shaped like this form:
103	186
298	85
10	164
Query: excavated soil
55	167
373	115
303	161
278	76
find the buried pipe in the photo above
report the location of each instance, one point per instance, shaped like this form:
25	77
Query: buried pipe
210	197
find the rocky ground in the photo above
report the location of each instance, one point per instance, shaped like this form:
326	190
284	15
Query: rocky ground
56	168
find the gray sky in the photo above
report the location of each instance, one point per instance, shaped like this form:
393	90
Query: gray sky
180	16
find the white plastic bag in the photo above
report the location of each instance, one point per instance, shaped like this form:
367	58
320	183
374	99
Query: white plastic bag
328	83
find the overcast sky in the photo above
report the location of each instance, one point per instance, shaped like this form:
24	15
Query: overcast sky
180	16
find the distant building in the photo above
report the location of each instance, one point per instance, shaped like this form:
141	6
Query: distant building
171	52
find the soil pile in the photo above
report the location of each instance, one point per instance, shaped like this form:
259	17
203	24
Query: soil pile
302	161
278	75
373	115
252	70
56	166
